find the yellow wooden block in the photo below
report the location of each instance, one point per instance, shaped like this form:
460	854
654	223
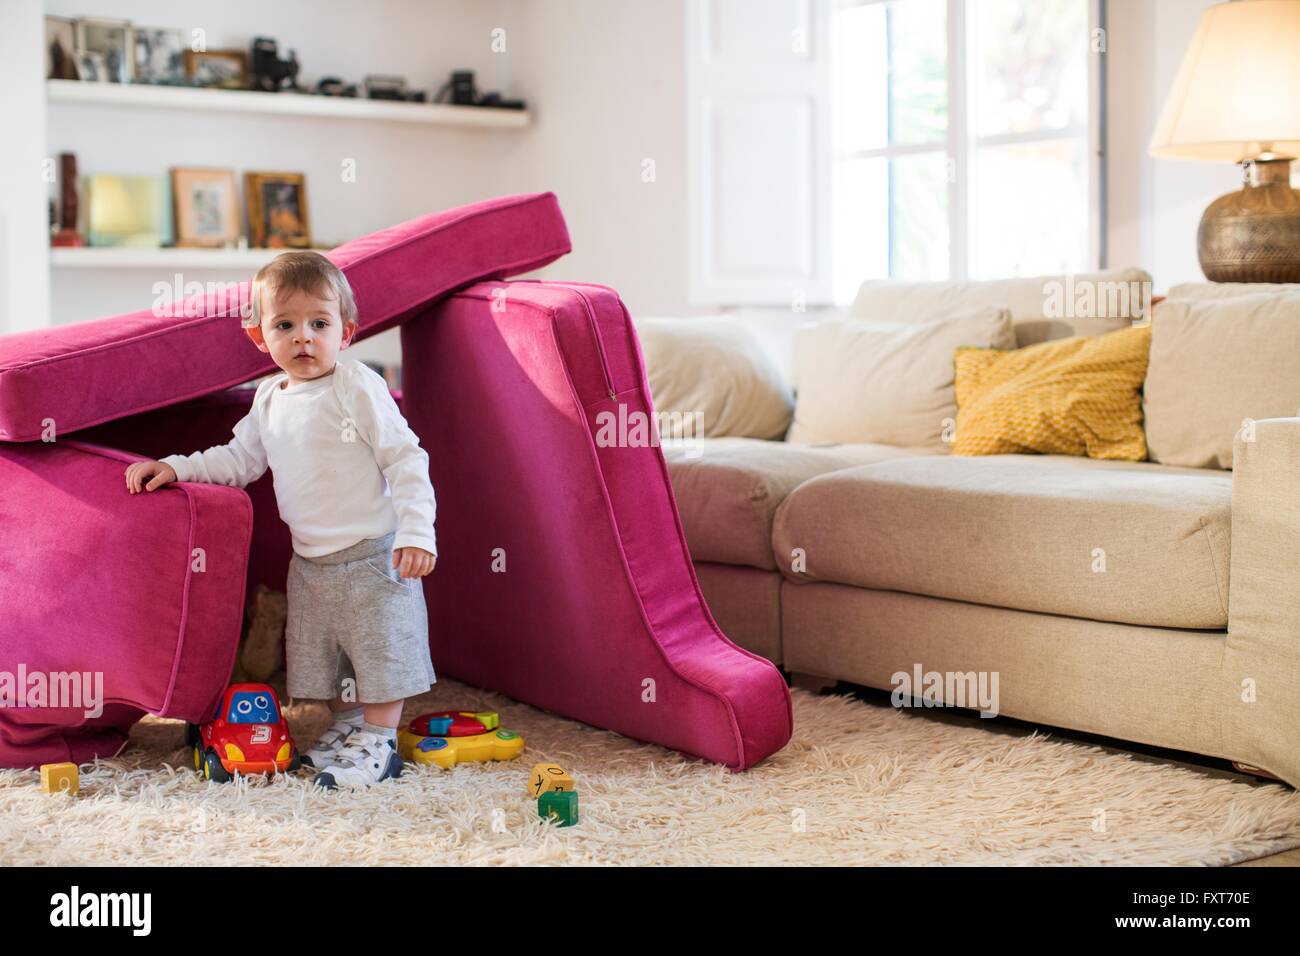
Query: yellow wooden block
59	778
546	777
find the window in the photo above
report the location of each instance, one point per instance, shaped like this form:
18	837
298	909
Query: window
962	139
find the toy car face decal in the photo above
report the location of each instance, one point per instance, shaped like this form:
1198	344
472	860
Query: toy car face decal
261	734
252	707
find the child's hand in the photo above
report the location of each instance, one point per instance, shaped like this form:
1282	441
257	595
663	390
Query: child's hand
140	470
413	562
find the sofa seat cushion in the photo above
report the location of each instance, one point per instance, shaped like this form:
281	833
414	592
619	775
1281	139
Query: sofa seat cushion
728	489
140	595
1129	542
56	381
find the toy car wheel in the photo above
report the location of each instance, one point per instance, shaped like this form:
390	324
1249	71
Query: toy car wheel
198	758
191	734
212	768
295	763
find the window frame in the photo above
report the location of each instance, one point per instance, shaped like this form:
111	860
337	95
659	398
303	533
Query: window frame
959	147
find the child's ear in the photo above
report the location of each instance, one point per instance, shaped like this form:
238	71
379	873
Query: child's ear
349	333
255	333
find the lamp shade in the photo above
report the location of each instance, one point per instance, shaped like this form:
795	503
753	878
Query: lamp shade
1236	90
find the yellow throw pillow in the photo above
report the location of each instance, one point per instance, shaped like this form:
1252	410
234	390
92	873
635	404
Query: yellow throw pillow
1079	396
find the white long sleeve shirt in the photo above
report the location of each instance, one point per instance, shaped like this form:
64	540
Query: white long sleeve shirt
345	463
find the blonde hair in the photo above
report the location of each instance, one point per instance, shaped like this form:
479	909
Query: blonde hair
302	271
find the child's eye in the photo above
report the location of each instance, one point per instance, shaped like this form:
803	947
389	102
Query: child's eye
283	325
320	323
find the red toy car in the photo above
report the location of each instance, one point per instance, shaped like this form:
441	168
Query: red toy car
248	736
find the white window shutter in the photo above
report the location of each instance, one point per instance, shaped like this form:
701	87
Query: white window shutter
758	151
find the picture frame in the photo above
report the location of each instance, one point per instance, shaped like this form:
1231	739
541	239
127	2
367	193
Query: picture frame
159	55
205	206
126	211
277	210
111	40
60	49
90	68
224	69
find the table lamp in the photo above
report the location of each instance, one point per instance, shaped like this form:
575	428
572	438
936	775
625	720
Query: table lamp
1231	102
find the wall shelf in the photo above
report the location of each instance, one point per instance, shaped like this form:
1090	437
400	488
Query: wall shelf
121	257
283	104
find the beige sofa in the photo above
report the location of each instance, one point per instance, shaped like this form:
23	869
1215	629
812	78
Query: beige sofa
857	561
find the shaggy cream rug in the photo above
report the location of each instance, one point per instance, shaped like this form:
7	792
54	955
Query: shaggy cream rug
858	784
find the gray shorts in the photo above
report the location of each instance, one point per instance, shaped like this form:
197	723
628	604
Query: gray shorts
350	617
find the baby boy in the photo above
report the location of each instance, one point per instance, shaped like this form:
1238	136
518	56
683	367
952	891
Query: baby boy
352	484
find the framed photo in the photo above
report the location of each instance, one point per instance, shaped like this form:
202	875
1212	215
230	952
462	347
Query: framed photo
277	210
227	69
90	68
126	210
111	40
159	55
206	211
60	49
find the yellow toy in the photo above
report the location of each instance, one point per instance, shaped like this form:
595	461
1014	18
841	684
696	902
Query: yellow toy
446	752
60	778
547	778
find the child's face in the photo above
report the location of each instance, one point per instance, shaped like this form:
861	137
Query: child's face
303	332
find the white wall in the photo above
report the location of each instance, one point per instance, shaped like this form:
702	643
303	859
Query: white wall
24	211
403	171
605	83
1154	205
609	80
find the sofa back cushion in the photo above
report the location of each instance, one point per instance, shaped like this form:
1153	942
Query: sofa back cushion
513	396
885	382
1042	307
1214	364
1230	290
1078	396
55	381
711	378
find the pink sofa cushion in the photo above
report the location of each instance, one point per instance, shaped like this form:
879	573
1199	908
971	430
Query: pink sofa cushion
97	580
90	372
202	423
597	614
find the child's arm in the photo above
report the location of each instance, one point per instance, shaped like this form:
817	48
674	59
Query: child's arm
239	463
399	456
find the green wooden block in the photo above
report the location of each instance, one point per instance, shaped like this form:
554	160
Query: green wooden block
562	805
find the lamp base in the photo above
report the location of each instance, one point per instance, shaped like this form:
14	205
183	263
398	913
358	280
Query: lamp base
1253	235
